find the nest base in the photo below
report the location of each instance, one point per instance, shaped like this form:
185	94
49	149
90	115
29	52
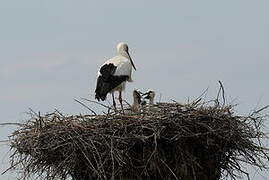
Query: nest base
165	141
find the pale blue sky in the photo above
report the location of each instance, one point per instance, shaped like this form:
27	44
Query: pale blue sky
51	50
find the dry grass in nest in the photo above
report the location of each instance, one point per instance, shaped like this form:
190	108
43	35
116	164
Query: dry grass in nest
167	141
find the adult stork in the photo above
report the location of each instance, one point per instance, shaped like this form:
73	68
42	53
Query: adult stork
114	73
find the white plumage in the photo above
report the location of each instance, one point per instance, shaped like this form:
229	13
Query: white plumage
150	95
124	66
137	100
114	73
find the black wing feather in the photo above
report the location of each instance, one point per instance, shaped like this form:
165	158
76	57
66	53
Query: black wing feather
106	81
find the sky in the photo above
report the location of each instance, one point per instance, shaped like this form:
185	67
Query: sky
51	51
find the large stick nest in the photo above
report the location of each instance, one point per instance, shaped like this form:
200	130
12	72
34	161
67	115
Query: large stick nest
167	141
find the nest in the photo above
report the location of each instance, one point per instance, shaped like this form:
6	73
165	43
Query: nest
166	141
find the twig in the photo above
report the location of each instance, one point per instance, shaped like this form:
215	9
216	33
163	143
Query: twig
223	94
175	176
13	124
96	102
85	106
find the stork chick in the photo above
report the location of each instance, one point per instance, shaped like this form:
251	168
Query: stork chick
150	94
136	101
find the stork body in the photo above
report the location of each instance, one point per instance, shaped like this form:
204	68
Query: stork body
150	95
137	100
113	75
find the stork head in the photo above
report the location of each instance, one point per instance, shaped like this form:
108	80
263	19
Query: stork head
123	50
150	94
122	47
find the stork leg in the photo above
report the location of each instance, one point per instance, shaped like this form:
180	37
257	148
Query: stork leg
120	99
114	102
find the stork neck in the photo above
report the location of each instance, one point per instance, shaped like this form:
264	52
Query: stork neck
151	101
135	106
135	103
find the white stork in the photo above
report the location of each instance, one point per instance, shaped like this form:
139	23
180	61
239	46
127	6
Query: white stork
150	94
137	101
113	74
